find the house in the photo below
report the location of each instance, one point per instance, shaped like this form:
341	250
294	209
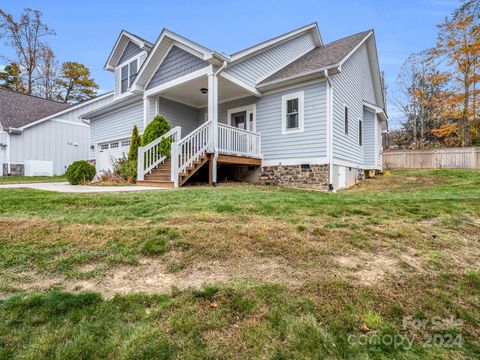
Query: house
42	137
290	111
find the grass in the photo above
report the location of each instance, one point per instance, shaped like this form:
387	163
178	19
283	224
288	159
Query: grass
296	274
30	179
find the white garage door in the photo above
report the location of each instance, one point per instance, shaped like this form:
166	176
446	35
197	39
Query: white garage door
109	152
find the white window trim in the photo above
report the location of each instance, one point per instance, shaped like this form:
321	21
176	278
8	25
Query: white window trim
300	95
247	108
127	62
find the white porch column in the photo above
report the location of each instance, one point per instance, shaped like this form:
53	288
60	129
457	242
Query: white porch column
146	111
213	116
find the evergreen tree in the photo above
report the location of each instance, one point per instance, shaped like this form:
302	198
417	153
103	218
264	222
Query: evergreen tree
134	144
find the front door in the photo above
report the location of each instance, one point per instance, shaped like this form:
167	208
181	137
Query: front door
243	120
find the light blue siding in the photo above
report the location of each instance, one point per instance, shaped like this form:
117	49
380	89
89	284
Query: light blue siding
351	86
379	136
369	137
130	51
308	144
117	124
178	114
268	61
177	63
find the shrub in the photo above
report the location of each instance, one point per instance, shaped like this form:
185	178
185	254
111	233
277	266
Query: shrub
79	172
157	127
126	168
108	178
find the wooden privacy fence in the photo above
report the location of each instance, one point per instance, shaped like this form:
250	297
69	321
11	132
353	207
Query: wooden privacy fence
449	158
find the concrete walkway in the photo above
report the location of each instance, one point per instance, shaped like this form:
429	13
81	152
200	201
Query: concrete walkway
65	187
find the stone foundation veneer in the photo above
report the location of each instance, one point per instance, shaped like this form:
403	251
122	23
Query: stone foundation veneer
297	176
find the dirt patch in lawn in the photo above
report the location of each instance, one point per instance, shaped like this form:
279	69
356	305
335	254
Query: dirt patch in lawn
368	269
153	276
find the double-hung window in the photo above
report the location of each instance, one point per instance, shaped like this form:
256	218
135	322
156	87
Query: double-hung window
345	115
128	73
292	112
360	130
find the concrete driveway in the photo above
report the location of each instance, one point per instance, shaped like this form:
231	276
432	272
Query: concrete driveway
65	187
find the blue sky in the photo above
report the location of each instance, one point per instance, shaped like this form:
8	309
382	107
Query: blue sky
87	29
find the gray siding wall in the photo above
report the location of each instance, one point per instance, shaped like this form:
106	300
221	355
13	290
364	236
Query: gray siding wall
54	140
351	87
177	63
178	114
266	62
130	51
116	125
51	140
369	137
307	144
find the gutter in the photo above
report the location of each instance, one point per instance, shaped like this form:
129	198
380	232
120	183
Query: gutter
329	130
15	131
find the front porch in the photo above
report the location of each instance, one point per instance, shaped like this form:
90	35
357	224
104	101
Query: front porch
193	103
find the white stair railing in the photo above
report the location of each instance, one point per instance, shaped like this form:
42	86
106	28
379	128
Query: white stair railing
238	142
149	156
190	149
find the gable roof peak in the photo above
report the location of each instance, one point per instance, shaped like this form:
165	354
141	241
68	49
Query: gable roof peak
121	43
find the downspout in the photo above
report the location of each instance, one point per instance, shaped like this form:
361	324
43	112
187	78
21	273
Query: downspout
329	130
215	131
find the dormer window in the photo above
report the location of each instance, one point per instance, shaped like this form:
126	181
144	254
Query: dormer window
128	73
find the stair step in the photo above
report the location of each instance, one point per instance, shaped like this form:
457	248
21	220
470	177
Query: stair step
161	171
158	177
155	183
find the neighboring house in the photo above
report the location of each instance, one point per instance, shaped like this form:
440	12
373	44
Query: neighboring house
42	137
290	111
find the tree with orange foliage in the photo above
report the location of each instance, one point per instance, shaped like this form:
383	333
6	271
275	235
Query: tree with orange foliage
458	45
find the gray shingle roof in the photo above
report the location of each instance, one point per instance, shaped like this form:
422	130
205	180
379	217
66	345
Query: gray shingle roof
318	58
17	110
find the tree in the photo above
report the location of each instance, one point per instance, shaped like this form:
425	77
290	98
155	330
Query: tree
11	78
25	36
422	94
46	84
458	44
134	144
75	83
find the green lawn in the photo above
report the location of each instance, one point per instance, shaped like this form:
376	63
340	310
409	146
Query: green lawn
244	271
30	179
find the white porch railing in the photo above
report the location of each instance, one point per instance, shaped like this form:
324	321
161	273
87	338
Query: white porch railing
238	142
149	156
186	151
190	149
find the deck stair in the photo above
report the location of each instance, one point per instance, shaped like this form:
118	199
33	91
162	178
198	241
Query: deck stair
192	152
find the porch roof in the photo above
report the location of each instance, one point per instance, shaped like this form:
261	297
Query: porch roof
187	89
